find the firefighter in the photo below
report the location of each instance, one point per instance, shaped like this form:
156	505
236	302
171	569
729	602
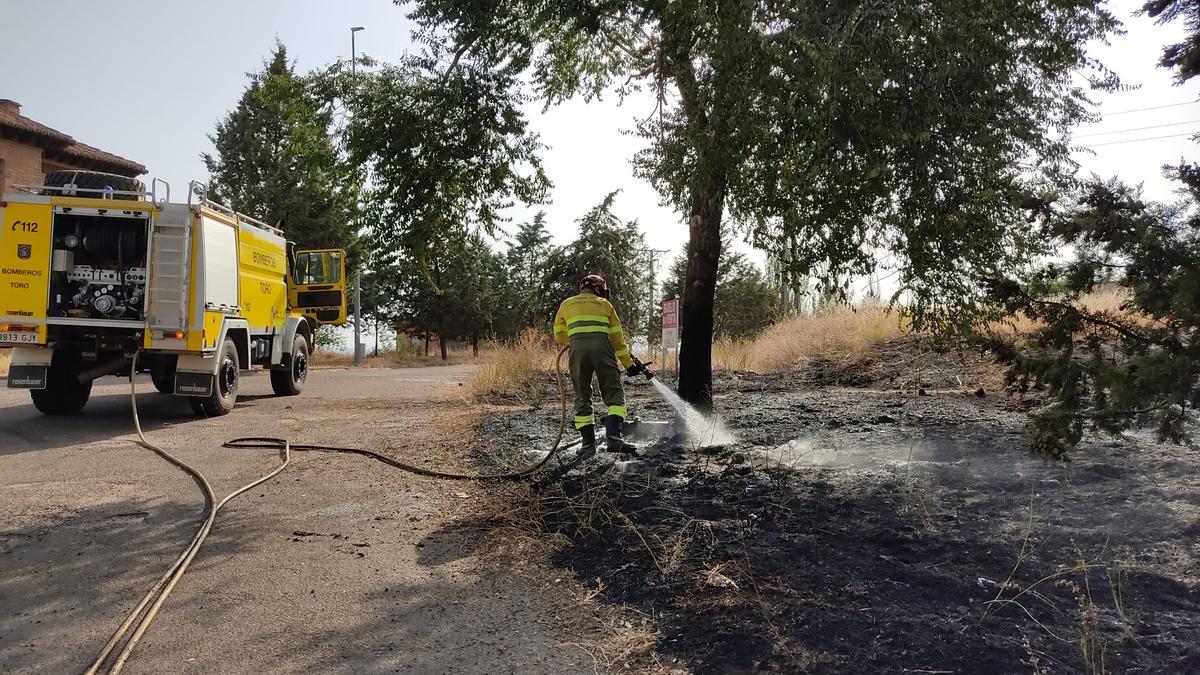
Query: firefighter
589	324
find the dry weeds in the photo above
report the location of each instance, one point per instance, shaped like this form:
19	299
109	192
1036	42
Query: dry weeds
832	334
837	336
514	370
526	523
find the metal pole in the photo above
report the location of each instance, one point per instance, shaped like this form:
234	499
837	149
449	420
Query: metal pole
358	346
353	53
358	350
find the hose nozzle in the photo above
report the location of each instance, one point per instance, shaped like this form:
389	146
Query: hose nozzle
639	368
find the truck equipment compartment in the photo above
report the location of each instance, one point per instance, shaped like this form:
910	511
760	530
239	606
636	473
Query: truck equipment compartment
98	264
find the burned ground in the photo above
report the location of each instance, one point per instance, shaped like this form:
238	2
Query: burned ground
878	530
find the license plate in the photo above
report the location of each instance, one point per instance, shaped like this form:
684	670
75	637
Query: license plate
19	337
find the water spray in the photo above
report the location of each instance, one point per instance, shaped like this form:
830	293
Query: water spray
703	430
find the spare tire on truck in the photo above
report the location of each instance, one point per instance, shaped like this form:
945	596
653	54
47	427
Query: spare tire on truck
93	180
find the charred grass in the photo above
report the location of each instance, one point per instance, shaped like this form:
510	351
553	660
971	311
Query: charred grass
926	541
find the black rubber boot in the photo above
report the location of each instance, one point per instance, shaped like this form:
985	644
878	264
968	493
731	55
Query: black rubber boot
588	448
614	428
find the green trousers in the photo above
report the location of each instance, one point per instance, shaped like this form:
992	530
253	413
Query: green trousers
592	354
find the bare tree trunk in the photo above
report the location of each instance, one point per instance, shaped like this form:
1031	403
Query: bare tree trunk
475	344
442	345
426	343
696	320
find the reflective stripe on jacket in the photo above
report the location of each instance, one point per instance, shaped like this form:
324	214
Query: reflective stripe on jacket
589	313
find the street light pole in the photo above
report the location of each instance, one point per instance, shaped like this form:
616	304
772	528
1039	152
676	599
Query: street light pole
358	346
353	53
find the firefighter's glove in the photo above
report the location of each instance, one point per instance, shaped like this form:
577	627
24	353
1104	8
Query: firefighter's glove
639	368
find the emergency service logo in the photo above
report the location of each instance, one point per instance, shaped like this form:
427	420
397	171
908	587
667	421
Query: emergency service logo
24	251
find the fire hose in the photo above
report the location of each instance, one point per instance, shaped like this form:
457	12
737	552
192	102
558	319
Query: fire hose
131	630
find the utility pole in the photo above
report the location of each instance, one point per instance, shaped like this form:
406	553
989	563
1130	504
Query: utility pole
358	346
653	253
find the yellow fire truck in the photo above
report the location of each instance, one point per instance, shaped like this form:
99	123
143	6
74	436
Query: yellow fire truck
94	268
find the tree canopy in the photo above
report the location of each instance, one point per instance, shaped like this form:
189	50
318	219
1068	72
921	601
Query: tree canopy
1183	57
1112	367
746	303
275	159
607	246
445	152
918	128
1135	364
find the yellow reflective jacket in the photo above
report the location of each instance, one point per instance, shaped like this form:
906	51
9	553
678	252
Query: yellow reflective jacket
590	313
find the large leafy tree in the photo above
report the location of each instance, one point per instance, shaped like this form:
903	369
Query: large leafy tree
275	159
446	152
839	126
745	303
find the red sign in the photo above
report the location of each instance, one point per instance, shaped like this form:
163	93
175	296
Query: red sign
670	314
670	324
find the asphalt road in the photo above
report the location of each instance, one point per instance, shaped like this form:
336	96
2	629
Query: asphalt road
337	565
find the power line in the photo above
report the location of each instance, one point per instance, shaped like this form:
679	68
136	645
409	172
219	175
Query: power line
1139	140
1122	131
1157	107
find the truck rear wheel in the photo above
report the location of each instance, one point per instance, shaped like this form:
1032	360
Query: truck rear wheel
63	395
162	374
289	381
225	385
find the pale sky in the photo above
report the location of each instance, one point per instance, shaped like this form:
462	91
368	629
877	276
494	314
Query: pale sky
149	80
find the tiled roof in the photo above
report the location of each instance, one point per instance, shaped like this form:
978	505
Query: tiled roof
11	119
86	152
56	143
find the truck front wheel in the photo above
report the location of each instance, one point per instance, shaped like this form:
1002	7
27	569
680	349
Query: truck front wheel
225	385
63	395
290	380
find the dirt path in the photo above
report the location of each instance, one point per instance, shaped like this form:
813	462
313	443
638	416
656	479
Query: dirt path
338	565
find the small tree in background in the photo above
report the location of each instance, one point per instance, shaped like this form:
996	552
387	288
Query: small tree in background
275	159
524	271
607	246
746	303
448	291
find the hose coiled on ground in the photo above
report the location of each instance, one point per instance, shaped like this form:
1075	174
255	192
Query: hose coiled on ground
140	618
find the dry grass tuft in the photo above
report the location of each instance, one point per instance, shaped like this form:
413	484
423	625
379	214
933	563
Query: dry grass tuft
840	334
5	358
832	334
514	370
1111	300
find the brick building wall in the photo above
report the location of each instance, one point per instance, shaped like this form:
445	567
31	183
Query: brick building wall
29	150
20	164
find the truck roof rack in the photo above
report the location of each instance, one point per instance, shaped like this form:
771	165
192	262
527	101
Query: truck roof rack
199	190
72	191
